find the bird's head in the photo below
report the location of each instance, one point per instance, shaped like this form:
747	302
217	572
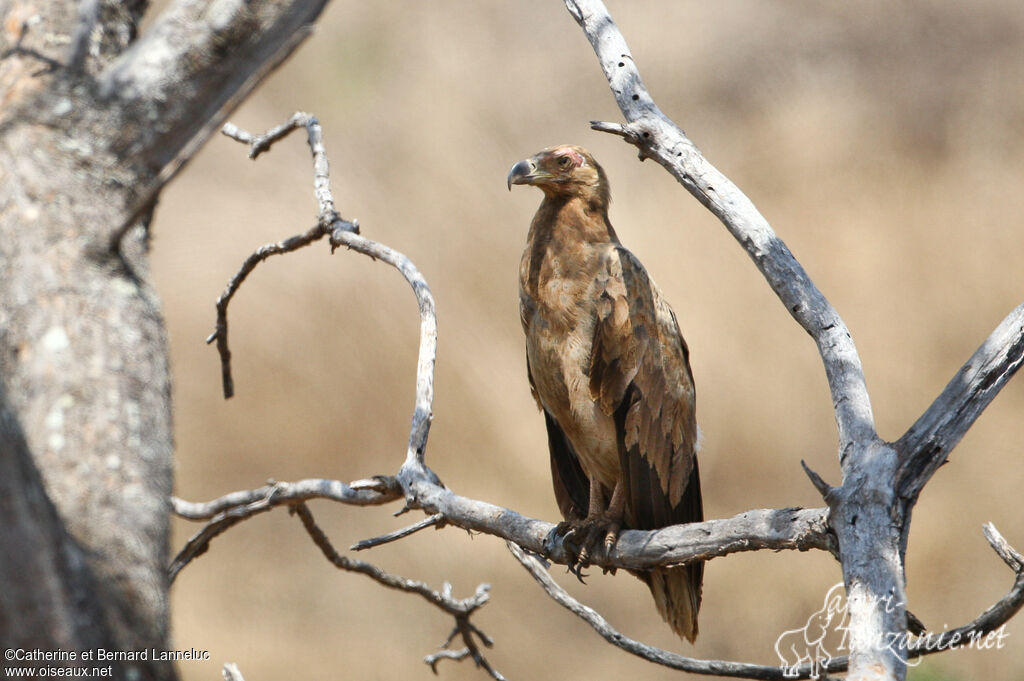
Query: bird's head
565	170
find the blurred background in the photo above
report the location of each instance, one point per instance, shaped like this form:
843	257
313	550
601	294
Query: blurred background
885	144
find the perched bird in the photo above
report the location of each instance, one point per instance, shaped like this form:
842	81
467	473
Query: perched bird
611	373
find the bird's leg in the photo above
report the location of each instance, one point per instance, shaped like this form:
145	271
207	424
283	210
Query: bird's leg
574	531
614	513
594	535
602	525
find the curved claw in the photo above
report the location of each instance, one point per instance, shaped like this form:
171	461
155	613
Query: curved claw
564	533
577	571
583	539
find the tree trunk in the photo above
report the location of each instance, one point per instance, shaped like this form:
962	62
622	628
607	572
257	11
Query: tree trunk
94	122
83	356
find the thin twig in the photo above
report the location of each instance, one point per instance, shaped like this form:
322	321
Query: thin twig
657	655
464	629
220	333
260	143
379	490
442	600
1002	547
984	625
824	489
199	543
414	469
460	609
328	222
445	654
344	233
231	509
435	520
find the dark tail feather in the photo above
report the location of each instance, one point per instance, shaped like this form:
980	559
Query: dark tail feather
676	593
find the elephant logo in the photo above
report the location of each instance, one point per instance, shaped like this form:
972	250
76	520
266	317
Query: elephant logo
808	644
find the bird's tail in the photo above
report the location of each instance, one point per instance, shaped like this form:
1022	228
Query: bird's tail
676	593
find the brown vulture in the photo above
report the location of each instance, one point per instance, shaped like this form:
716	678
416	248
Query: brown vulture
609	368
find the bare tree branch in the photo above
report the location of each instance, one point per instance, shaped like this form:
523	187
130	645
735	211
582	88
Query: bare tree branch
197	62
379	490
328	222
199	543
345	233
413	470
665	658
973	632
1010	555
436	521
467	631
220	333
658	138
460	609
987	622
927	444
231	509
761	529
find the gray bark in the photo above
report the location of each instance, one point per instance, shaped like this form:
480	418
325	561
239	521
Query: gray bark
94	122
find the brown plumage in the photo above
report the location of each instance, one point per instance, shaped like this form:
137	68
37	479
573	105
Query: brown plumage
610	370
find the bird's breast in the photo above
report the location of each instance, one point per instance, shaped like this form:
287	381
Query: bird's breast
558	311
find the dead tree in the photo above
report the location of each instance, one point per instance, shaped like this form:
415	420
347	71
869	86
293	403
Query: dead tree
96	122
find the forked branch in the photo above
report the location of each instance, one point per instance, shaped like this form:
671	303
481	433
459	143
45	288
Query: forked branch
975	631
328	222
460	609
231	509
792	529
658	138
928	442
881	480
665	658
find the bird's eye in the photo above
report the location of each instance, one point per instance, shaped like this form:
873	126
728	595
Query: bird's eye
564	161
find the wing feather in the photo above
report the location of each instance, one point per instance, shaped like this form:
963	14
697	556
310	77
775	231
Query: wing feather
640	373
572	488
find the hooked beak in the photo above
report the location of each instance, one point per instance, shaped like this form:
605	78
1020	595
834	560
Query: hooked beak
524	172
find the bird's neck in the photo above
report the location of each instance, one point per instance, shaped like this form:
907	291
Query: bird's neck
572	218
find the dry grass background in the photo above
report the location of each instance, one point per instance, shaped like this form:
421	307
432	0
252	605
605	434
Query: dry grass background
885	144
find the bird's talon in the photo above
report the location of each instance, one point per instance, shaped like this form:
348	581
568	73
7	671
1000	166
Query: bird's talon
576	570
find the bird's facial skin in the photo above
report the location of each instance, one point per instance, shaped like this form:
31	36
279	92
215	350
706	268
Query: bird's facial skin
564	169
